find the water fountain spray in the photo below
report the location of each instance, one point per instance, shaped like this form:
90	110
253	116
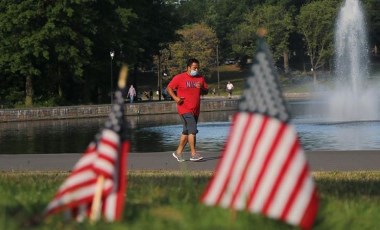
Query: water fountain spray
353	99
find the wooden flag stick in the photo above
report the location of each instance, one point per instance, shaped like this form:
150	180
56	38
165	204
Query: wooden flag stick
233	214
262	32
96	201
123	75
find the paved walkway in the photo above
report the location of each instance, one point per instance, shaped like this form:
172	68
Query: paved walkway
318	160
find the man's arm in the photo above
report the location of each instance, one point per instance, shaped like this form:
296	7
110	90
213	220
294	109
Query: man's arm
204	91
172	94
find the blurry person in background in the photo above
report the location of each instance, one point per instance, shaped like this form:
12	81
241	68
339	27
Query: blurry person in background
229	88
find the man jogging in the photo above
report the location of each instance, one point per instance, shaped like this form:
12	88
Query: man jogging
189	87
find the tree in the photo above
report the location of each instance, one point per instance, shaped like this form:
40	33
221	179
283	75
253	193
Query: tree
373	19
153	26
44	38
222	16
50	43
197	41
21	47
69	36
316	22
278	25
113	20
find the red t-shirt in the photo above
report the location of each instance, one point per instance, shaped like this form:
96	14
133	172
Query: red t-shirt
185	86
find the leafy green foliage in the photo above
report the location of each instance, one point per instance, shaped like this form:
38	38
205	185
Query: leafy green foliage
316	24
45	37
60	49
197	41
58	42
373	19
279	26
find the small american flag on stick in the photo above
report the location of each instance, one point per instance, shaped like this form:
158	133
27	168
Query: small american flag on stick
96	186
263	167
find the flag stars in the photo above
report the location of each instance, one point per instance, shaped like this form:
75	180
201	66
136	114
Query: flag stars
119	98
262	93
116	107
116	116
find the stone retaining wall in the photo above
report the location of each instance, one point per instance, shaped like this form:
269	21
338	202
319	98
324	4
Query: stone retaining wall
67	112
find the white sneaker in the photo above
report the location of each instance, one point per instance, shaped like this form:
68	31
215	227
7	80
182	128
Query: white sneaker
178	157
196	157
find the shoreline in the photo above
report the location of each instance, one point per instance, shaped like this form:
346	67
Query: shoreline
208	104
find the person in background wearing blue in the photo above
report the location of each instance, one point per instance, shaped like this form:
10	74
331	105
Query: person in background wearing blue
131	93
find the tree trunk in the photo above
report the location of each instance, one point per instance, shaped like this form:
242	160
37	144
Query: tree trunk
60	92
59	77
286	62
87	91
28	91
99	95
314	77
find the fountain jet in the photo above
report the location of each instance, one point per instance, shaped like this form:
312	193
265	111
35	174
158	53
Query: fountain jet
353	99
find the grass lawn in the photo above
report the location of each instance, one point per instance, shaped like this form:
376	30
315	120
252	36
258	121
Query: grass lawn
227	73
169	200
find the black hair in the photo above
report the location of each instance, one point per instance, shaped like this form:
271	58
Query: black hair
191	61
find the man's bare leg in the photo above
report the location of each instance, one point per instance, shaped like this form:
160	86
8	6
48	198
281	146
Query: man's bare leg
182	143
194	155
192	139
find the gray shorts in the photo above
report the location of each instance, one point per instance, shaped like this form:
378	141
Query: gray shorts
189	123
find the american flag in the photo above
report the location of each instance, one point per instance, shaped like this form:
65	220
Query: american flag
263	167
106	156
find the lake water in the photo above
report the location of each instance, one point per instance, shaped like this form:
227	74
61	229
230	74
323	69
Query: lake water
156	133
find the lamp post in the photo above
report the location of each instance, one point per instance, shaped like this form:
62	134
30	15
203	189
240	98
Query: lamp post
164	55
159	82
217	66
112	54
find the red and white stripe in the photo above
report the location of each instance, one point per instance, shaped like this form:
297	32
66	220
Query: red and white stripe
263	169
76	193
114	203
107	153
